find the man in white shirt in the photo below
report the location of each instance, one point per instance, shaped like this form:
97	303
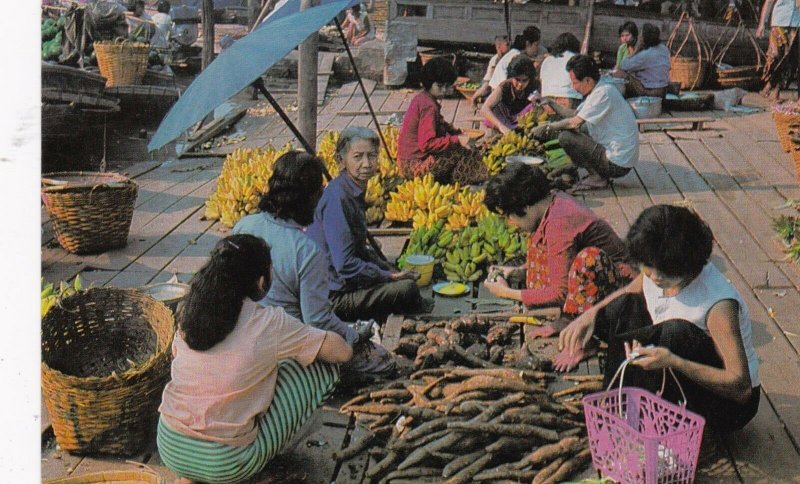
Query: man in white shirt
501	47
611	148
163	24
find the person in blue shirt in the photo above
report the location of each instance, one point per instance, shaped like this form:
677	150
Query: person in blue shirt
362	285
299	268
647	70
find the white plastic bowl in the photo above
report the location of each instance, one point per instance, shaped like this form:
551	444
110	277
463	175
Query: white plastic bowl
646	106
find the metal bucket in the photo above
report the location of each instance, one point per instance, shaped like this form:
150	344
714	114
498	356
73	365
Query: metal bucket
646	106
171	293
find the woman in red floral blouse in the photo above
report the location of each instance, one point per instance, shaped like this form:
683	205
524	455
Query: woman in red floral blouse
429	144
574	257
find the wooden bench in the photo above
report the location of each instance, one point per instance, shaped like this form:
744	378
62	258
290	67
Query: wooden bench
696	122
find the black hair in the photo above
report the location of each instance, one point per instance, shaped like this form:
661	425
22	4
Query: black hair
583	66
217	291
163	6
438	69
356	8
132	4
565	42
530	35
515	188
502	37
521	65
294	187
631	28
651	36
672	240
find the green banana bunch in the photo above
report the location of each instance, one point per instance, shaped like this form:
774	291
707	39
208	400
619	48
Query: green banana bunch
50	297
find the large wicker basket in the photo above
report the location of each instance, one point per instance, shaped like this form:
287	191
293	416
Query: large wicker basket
786	119
122	63
690	71
105	360
747	77
90	212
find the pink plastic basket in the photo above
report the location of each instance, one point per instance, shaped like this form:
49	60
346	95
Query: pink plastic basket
636	436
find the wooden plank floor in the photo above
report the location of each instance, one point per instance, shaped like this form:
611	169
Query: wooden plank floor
733	174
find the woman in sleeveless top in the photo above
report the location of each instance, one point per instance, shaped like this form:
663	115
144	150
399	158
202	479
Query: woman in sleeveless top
682	305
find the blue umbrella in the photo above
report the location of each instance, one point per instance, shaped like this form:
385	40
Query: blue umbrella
242	63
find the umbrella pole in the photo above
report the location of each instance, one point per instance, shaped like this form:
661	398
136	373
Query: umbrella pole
363	89
259	84
507	18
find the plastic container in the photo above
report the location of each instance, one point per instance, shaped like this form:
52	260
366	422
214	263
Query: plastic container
171	293
646	106
422	264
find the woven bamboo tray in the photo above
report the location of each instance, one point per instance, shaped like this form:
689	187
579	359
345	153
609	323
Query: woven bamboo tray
785	121
90	212
122	63
105	360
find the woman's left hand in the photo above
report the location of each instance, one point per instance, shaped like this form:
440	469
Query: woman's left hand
498	287
650	358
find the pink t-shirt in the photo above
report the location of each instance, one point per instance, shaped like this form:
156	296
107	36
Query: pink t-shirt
216	394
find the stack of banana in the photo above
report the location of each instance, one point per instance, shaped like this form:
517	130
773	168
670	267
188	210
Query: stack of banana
467	208
422	201
511	143
327	152
241	184
532	119
432	241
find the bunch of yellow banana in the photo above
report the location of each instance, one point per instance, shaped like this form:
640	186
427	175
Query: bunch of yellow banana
241	184
327	152
387	168
422	201
465	256
374	196
532	119
50	297
512	143
374	215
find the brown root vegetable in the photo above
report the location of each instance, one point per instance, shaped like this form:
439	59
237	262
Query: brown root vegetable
355	448
429	372
466	396
406	445
489	383
433	355
407	348
388	408
577	431
572	408
505	373
424	327
353	401
381	467
542	419
467	473
383	420
429	427
454	466
573	465
497	354
504	472
470	359
505	445
414	473
437	336
498	407
547	471
512	430
383	430
393	394
470	324
500	334
420	453
546	453
585	387
582	378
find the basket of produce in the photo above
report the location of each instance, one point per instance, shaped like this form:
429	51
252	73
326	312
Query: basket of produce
90	212
690	70
122	62
106	356
116	477
787	119
689	101
467	89
637	436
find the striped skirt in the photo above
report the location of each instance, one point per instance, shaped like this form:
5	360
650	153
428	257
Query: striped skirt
298	393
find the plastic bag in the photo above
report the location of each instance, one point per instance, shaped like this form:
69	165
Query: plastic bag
728	98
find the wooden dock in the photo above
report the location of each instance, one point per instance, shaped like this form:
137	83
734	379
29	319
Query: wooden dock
733	173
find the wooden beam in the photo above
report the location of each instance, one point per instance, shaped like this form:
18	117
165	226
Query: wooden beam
208	32
307	84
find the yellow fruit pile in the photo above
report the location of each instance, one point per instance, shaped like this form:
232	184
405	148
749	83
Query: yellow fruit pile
512	143
422	201
327	152
492	241
467	207
241	184
532	119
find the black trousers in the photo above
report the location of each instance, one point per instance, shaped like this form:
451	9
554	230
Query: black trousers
626	318
378	301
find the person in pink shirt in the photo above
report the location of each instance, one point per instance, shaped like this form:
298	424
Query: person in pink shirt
429	144
245	377
574	257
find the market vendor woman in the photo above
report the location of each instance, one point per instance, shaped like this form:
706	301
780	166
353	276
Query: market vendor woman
682	305
362	285
245	377
506	103
429	144
574	257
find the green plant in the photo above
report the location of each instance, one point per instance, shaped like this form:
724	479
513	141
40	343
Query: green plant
50	297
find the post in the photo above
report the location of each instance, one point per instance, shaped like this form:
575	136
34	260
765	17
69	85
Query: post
307	84
253	8
587	31
208	32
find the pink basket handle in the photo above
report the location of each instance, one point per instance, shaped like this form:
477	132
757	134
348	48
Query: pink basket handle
621	374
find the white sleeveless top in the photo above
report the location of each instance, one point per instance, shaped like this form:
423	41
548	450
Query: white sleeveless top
694	302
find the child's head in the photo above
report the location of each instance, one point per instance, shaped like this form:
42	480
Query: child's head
671	241
628	33
239	267
294	187
438	75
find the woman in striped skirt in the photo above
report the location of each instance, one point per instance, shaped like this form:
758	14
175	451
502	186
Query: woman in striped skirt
244	377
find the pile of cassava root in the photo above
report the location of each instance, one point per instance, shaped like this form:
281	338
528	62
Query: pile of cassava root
459	425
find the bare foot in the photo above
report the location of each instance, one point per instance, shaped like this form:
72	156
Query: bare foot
566	362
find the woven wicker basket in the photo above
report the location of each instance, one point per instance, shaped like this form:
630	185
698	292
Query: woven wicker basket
785	121
105	360
90	212
122	63
115	477
690	72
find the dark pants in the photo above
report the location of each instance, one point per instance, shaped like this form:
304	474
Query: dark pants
626	318
377	302
587	153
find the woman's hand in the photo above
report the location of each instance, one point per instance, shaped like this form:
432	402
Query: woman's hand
500	271
650	358
498	287
399	276
577	334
